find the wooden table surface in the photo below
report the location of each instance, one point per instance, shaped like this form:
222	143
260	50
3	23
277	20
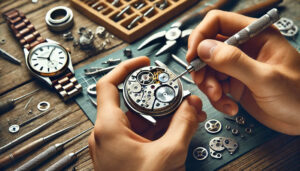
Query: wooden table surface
280	153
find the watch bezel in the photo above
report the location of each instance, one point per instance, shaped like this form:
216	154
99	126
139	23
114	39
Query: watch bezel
52	73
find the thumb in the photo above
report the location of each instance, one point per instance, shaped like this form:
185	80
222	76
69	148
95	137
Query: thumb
230	60
185	122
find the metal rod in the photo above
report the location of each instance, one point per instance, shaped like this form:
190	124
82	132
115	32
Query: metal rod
9	57
31	133
35	117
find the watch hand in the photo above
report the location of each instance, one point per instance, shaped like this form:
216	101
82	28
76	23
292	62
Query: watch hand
42	57
51	53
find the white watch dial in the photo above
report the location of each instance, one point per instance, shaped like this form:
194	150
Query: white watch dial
48	58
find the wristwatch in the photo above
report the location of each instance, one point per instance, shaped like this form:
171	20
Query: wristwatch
45	58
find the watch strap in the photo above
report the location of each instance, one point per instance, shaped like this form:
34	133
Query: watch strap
67	86
22	28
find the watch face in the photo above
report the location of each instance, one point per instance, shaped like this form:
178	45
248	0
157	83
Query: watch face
48	59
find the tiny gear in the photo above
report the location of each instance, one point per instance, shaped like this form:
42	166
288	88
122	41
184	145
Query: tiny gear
200	153
213	126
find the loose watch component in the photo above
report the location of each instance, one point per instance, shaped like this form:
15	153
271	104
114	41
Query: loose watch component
213	126
150	91
230	144
290	32
216	144
235	131
214	154
14	129
200	153
284	24
248	131
91	89
59	18
240	120
43	106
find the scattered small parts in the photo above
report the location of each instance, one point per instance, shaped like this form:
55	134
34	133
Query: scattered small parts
127	52
286	27
213	126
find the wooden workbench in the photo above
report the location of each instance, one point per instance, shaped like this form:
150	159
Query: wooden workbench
282	152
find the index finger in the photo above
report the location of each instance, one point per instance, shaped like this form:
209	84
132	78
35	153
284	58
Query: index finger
219	22
107	91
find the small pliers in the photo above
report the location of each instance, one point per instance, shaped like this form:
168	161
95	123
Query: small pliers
175	32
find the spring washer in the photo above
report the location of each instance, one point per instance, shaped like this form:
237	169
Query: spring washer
200	153
213	126
14	129
43	106
61	24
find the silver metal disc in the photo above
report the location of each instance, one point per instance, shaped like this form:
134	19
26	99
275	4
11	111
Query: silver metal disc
216	144
213	126
14	129
165	94
163	77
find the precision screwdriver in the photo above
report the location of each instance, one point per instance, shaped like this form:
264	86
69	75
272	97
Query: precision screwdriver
32	132
242	36
9	57
51	151
65	161
9	104
10	158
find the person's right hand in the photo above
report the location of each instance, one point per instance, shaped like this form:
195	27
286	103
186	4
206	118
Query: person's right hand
263	75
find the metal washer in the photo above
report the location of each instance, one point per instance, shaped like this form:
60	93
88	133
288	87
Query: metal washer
14	128
61	24
200	153
43	106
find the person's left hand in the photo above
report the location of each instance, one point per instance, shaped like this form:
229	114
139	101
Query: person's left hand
122	141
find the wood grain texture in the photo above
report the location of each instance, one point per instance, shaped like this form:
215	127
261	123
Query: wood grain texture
281	153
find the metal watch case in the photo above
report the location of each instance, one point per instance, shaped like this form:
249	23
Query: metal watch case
151	91
45	78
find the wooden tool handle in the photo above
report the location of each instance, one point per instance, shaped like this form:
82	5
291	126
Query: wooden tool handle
260	8
20	152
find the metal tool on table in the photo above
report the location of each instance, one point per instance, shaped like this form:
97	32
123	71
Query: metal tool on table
9	57
138	18
51	151
32	132
65	161
16	127
242	36
9	104
98	70
176	31
10	158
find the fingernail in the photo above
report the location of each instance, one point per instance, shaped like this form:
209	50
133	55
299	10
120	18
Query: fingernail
228	109
206	48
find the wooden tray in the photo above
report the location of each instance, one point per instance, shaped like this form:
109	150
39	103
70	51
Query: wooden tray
106	16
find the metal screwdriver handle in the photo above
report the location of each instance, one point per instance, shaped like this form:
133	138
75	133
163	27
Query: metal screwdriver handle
68	159
240	37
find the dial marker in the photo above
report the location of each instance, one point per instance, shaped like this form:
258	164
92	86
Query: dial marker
41	69
36	64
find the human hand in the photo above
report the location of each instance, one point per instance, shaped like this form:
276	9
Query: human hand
263	75
122	141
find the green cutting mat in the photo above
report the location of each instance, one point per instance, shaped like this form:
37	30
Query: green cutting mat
260	134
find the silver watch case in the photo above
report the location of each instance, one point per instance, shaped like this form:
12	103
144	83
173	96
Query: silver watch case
150	92
46	79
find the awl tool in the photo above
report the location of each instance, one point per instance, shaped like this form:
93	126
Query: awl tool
32	132
9	104
242	36
33	146
51	151
65	161
9	57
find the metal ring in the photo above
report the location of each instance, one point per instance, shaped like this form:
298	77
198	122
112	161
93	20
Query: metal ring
43	106
61	24
200	153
